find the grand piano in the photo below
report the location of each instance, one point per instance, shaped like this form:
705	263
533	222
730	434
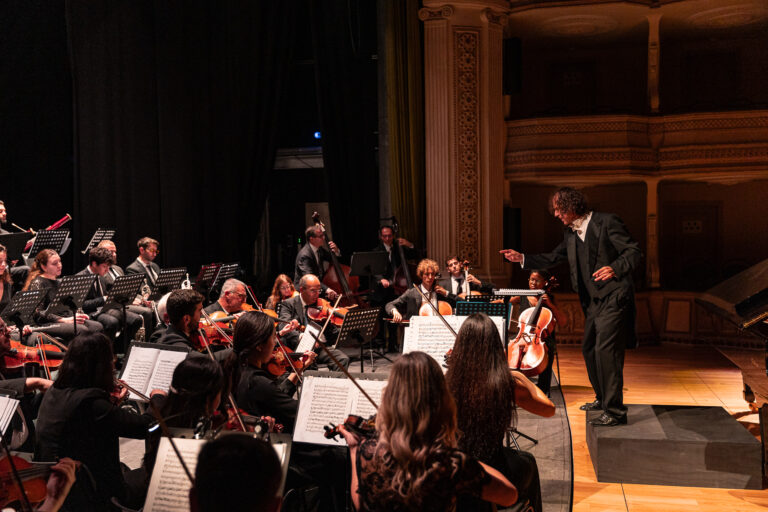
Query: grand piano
743	300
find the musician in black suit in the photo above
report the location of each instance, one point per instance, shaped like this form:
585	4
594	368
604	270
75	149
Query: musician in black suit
314	258
601	255
409	303
145	263
112	274
458	284
294	310
99	260
383	289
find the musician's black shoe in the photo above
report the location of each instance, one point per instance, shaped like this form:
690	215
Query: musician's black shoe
592	406
608	420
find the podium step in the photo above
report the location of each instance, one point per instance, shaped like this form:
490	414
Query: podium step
676	445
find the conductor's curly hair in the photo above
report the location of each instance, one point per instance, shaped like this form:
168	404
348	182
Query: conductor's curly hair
569	200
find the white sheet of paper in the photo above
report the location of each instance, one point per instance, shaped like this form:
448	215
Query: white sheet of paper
166	363
139	367
307	340
169	487
8	406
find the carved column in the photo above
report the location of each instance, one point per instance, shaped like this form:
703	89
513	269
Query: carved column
464	131
654	56
652	274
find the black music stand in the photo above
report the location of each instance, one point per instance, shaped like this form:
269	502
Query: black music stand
226	271
99	236
168	280
19	311
359	325
206	277
14	245
71	294
368	264
484	297
122	293
53	239
465	308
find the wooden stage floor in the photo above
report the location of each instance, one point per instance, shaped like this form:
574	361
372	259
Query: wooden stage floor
667	374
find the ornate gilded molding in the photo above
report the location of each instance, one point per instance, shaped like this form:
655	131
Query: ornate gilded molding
442	13
496	18
467	108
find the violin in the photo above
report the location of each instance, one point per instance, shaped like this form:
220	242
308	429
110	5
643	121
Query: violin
21	355
324	310
527	352
33	475
278	364
261	425
365	428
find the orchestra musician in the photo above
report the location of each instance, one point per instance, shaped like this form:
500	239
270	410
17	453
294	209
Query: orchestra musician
145	264
43	275
601	255
314	259
414	463
183	308
487	392
236	473
408	304
18	271
536	281
231	298
81	418
294	311
116	271
99	261
5	279
458	284
282	289
384	285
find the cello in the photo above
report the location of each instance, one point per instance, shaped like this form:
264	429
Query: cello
528	352
338	277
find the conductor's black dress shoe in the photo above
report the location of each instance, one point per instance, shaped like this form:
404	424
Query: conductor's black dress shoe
608	420
592	406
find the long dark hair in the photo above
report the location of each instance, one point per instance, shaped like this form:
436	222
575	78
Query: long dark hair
196	382
416	419
479	379
88	363
37	266
6	275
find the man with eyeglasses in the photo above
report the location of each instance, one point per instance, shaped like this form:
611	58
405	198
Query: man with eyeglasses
145	263
231	298
314	259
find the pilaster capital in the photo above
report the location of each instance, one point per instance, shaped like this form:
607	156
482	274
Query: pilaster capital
488	15
438	13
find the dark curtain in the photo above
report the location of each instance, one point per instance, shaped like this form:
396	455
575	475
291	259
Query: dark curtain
346	89
174	111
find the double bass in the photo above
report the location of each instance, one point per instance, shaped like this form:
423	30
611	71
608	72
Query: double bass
528	352
338	277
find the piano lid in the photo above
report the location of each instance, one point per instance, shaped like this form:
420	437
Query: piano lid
742	299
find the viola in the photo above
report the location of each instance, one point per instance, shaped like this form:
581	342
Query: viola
527	352
324	310
365	428
33	476
278	364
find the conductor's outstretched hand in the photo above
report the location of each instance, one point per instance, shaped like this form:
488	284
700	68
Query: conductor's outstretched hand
511	255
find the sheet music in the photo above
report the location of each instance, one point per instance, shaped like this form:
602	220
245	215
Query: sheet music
430	335
8	406
150	368
169	487
327	400
281	449
307	340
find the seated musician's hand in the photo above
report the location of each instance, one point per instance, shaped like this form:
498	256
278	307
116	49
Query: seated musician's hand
63	475
36	383
331	294
604	274
26	330
156	392
81	318
511	255
442	291
385	283
309	358
396	316
403	241
288	328
472	279
334	248
351	438
270	421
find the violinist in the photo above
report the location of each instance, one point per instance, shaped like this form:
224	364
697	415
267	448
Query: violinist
409	303
99	261
231	298
486	394
184	310
81	418
294	311
460	283
536	281
236	473
283	289
109	280
43	275
414	463
314	259
145	264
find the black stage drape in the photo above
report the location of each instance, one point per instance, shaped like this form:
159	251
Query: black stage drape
175	104
346	87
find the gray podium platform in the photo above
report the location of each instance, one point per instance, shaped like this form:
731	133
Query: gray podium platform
676	445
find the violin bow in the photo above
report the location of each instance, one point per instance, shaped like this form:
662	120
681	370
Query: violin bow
215	326
437	312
